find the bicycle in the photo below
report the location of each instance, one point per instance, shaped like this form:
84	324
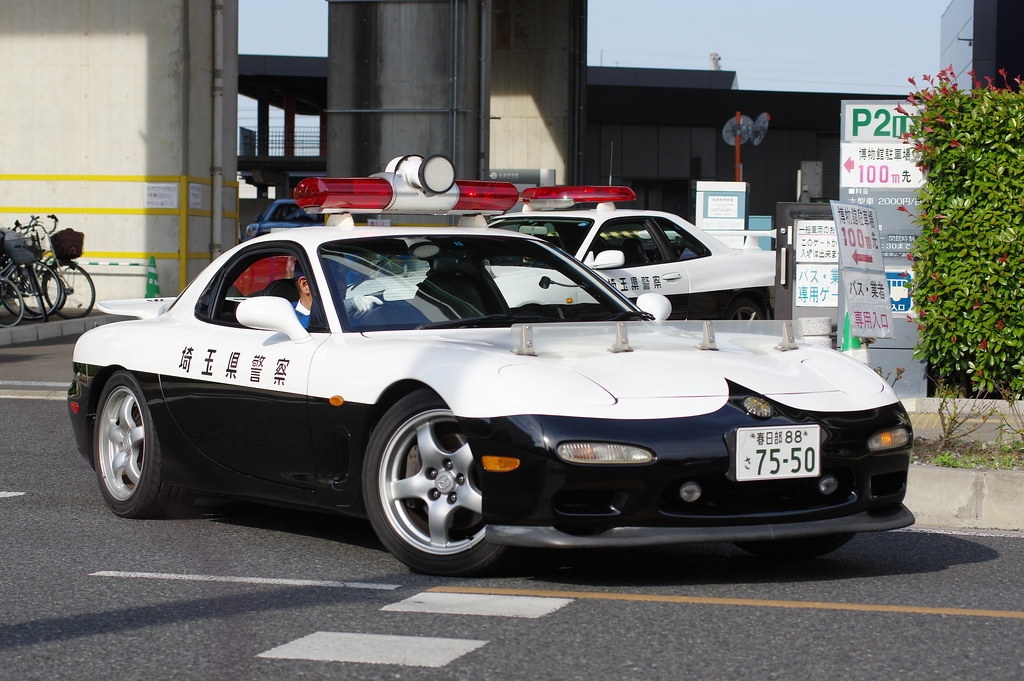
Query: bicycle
12	304
20	266
62	249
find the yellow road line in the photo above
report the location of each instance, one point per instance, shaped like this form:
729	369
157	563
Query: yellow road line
749	602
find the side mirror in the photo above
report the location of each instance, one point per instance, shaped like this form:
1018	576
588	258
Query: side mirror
655	304
606	260
271	313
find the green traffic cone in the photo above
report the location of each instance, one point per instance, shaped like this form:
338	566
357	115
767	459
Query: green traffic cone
849	342
152	281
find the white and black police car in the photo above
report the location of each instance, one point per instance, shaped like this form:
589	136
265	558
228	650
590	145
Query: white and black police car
641	251
471	390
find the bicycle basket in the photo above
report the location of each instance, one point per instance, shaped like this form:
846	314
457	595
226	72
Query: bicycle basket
68	244
17	246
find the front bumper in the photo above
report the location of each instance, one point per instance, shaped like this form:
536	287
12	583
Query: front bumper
551	537
549	502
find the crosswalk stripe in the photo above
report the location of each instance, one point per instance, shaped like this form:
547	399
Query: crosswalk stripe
410	651
479	604
5	495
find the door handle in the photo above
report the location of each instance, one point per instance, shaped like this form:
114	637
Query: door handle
671	276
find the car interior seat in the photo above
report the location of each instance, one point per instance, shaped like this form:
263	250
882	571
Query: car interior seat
633	251
282	288
455	285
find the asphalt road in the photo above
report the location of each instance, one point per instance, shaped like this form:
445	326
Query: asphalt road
251	592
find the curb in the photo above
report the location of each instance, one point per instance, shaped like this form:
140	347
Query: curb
966	499
38	331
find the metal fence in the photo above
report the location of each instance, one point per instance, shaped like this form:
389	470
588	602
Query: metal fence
307	141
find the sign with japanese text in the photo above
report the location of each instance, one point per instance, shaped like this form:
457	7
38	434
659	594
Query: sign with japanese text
816	241
882	166
817	285
862	274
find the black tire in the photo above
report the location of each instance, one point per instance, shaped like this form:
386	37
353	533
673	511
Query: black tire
744	308
803	548
12	305
420	490
127	456
79	290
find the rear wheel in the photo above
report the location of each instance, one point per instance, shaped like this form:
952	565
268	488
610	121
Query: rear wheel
127	455
79	291
802	548
421	492
744	308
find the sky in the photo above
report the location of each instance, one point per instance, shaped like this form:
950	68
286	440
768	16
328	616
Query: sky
865	47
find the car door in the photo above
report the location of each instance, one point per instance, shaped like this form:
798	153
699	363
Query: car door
239	394
646	268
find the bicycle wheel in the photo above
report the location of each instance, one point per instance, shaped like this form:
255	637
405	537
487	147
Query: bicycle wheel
12	305
79	291
40	287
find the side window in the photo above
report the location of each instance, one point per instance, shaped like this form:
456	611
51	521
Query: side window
632	237
264	274
684	245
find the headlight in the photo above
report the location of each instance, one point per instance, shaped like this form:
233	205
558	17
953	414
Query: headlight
895	438
603	452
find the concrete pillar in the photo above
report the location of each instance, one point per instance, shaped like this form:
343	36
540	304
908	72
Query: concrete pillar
402	79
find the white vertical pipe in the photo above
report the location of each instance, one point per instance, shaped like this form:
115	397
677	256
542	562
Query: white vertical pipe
217	164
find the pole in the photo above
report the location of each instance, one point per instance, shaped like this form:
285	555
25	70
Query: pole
739	142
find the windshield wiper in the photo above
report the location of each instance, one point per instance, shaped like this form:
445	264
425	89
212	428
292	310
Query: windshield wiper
631	316
486	321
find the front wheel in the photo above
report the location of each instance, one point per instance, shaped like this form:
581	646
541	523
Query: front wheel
127	455
419	479
12	305
802	548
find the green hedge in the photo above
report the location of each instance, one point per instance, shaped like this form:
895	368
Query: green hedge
969	259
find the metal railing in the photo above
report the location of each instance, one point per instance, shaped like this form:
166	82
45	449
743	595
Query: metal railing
306	142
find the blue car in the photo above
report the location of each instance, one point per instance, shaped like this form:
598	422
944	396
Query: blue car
282	214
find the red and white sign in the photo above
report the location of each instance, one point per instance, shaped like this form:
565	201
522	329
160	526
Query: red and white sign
862	272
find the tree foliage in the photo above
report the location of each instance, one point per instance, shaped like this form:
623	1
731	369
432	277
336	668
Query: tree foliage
969	259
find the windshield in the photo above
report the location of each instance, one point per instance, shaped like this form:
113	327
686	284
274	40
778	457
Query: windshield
566	233
460	281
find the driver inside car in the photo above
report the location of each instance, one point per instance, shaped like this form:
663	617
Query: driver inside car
355	306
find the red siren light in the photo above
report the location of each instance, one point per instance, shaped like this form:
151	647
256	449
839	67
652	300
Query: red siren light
328	195
485	197
393	192
562	197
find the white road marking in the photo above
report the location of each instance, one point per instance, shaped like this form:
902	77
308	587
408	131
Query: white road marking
411	651
39	384
52	395
963	533
246	580
5	495
479	604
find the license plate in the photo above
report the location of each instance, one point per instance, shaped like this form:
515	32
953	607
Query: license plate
777	452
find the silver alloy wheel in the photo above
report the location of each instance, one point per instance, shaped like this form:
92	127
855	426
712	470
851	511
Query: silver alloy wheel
426	485
121	447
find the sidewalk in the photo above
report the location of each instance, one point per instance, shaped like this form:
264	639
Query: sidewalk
54	327
938	497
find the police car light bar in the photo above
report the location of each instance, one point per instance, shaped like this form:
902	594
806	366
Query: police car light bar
547	198
410	185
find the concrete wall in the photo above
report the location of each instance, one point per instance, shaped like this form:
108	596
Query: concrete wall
535	85
109	125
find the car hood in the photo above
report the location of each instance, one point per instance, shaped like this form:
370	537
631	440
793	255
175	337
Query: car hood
638	370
